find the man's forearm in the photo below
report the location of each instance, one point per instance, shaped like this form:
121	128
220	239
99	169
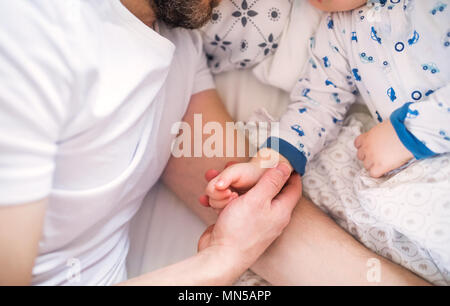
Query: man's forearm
185	175
213	266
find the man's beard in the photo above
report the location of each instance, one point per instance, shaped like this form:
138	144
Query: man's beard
189	14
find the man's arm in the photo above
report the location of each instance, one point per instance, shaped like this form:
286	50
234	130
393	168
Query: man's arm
20	232
213	267
244	229
35	96
208	104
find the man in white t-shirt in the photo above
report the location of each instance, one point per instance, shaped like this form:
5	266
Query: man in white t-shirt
88	93
88	96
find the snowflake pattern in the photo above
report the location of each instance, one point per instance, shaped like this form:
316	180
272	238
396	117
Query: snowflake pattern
242	33
245	13
222	44
269	45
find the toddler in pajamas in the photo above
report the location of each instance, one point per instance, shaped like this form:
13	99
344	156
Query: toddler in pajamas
395	54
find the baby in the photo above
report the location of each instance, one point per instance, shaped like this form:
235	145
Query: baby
395	54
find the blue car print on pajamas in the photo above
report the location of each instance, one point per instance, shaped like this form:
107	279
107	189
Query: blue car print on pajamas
329	83
442	133
354	37
429	92
356	74
305	93
446	39
368	59
374	35
379	118
301	148
333	47
411	114
382	2
297	128
413	40
320	131
430	67
326	62
335	97
313	63
386	67
330	23
391	94
302	110
337	121
440	7
312	42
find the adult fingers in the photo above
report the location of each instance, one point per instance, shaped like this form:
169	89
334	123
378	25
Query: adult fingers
204	200
210	174
289	196
229	164
270	183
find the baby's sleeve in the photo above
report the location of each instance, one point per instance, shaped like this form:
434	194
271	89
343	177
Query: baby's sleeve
424	127
320	99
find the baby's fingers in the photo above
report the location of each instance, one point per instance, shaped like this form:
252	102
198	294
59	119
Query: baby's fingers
361	155
359	141
228	177
215	193
220	204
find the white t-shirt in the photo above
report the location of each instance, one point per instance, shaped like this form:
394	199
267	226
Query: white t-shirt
88	95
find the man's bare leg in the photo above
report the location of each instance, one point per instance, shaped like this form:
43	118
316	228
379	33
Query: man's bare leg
314	250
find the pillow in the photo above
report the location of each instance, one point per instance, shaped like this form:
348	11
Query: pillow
284	68
242	33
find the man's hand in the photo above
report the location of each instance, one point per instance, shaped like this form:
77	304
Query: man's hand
243	231
381	150
251	222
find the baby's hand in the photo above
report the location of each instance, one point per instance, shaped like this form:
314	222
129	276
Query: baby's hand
237	178
381	150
